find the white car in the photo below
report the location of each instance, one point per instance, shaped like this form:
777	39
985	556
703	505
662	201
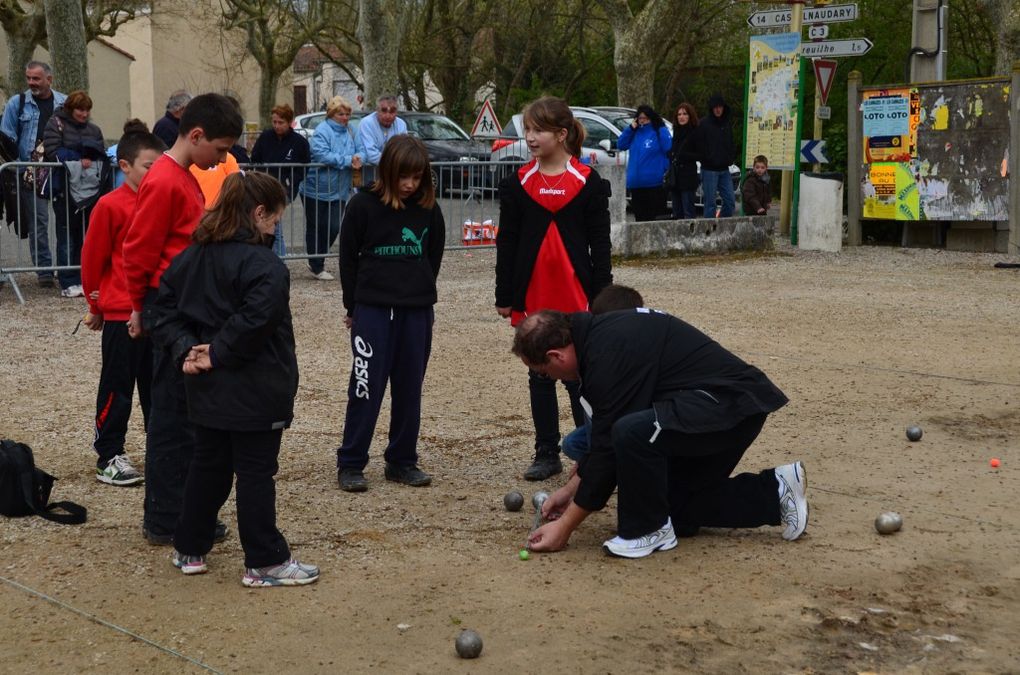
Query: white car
599	145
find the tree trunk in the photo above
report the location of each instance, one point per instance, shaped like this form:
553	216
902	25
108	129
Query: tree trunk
66	30
380	33
268	83
635	71
19	52
1007	52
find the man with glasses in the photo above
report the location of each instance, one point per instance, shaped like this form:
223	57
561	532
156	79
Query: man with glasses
379	127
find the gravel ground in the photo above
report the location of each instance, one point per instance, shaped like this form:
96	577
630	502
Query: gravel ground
864	342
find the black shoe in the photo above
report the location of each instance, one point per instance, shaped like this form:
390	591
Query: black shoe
48	281
351	480
159	539
408	474
546	464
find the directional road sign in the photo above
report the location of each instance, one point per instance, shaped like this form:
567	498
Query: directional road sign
813	152
784	17
850	47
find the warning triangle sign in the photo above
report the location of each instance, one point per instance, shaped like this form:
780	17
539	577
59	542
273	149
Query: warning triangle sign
825	73
486	126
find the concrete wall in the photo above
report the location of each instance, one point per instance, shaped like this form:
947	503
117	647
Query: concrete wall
698	236
109	88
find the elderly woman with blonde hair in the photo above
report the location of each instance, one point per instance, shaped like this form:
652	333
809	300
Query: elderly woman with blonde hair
326	189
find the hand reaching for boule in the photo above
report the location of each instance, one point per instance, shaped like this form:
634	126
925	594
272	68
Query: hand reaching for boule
552	536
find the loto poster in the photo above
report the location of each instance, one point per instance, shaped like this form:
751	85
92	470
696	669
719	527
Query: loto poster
890	118
772	100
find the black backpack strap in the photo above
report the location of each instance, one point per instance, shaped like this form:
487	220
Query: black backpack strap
76	514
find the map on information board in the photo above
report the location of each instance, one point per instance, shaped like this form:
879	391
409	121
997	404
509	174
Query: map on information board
772	100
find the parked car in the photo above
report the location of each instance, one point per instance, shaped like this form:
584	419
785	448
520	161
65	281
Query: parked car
445	140
603	126
511	147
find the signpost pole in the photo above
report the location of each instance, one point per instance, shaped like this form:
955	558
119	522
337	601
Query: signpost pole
816	167
786	201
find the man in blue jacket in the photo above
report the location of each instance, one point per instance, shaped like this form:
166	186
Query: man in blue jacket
25	117
377	128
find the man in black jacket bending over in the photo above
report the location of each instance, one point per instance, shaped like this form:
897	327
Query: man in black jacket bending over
672	414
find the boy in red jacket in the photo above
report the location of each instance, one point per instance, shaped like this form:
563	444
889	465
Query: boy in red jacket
125	361
170	205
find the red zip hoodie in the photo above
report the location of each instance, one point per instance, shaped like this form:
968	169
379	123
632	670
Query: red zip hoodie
170	204
102	262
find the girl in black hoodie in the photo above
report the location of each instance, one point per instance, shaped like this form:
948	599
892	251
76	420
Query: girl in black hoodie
391	247
223	314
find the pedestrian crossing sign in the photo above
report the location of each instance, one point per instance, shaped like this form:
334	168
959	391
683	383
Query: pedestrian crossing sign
486	126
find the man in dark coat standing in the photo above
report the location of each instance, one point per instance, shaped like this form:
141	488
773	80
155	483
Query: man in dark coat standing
166	126
716	151
672	414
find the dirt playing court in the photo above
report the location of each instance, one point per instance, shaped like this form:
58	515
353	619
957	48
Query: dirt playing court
864	343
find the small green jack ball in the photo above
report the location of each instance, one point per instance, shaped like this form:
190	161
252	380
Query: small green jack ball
524	555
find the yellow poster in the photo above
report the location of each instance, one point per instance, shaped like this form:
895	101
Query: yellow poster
772	99
890	192
879	144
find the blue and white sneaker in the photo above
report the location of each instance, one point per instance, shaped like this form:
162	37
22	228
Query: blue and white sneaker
793	506
662	539
289	573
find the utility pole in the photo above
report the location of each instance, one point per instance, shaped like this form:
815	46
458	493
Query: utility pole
928	38
786	185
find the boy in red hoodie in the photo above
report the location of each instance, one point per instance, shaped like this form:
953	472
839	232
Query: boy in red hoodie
125	361
170	205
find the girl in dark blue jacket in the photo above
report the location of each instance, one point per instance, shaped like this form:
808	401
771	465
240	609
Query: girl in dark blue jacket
223	314
649	143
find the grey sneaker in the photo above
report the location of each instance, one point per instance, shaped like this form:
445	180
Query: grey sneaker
189	564
74	291
408	474
290	573
793	506
119	471
662	539
545	465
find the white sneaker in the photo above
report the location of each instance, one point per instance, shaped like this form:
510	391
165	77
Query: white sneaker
663	539
321	276
288	573
793	506
119	471
75	291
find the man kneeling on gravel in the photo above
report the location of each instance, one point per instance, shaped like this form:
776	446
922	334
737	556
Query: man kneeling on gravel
672	414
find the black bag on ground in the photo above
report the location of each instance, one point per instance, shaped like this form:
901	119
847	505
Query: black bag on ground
25	490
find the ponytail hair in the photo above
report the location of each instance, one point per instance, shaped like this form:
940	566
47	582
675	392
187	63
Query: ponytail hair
242	192
552	114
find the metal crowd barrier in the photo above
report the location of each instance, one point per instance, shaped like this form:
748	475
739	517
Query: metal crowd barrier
35	238
37	234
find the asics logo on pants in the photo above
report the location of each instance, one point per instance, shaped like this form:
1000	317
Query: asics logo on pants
364	353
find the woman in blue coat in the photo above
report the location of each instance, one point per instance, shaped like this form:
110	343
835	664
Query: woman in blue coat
326	189
649	143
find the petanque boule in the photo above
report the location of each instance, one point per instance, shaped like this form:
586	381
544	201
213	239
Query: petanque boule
538	499
513	501
468	644
914	433
888	522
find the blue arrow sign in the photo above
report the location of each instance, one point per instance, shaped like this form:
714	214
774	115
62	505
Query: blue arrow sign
813	152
